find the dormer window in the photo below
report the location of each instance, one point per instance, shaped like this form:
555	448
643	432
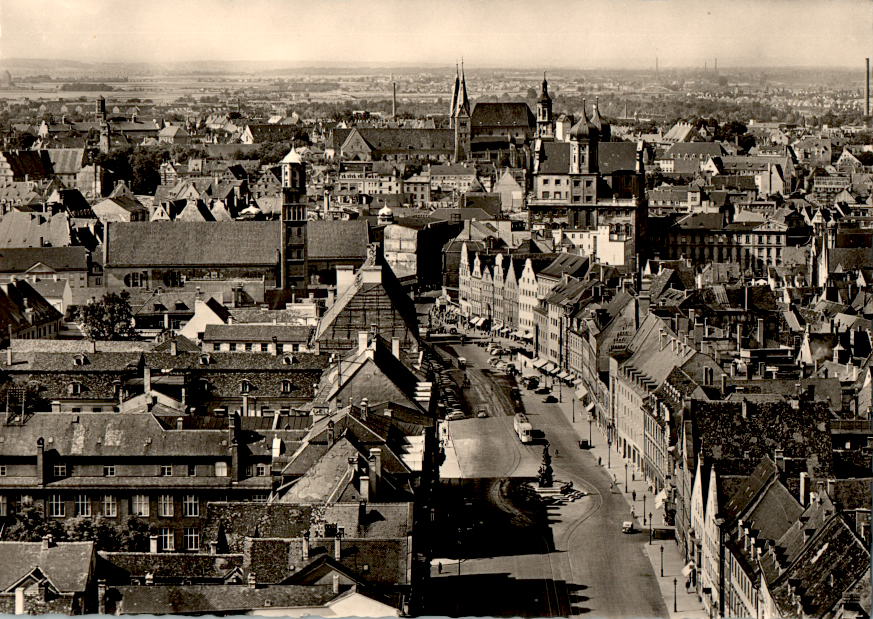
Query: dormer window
245	387
289	360
204	359
286	386
79	360
75	388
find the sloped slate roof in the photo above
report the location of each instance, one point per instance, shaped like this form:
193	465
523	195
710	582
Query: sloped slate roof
337	239
254	332
233	599
20	259
616	157
514	115
66	564
66	160
556	158
170	243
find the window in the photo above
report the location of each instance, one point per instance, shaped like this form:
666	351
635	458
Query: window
83	505
248	347
192	470
56	506
165	506
165	537
192	539
110	506
74	388
545	181
279	348
221	469
545	195
59	470
166	470
140	505
191	505
245	387
4	508
261	470
232	347
286	386
109	470
3	470
265	347
259	498
216	347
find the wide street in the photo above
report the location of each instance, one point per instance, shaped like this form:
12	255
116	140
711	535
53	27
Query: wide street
591	567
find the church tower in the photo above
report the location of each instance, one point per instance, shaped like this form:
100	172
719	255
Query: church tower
293	266
602	126
454	104
545	123
461	121
584	137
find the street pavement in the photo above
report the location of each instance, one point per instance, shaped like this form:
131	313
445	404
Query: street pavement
592	566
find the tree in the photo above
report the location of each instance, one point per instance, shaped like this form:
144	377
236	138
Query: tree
546	475
111	318
31	525
865	158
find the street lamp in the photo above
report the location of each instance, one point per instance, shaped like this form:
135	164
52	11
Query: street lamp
573	407
590	419
675	582
625	478
609	453
650	524
644	509
662	560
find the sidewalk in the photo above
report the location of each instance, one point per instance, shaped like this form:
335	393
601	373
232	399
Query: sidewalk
687	604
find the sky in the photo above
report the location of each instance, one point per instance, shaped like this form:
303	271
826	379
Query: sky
487	33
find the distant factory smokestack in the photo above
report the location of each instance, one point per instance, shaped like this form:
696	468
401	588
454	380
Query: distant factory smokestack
715	68
393	99
867	89
656	64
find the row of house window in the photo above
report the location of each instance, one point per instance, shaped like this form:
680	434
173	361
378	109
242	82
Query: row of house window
139	506
109	470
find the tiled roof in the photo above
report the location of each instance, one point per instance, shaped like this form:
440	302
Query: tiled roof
66	160
404	140
616	157
168	243
66	565
257	333
120	567
337	239
221	599
570	264
695	149
22	307
19	229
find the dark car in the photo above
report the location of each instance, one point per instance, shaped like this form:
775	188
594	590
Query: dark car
550	399
543	391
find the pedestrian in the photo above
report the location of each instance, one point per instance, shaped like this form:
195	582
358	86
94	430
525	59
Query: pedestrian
599	461
634	495
439	567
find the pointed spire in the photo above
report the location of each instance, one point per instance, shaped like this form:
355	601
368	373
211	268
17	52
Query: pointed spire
463	100
454	106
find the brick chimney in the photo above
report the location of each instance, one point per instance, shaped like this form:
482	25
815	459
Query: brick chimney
363	341
337	547
40	461
375	472
306	543
395	347
48	541
252	581
101	596
146	379
174	347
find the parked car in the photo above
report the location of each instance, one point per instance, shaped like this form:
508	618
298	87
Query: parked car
482	414
550	399
627	526
454	416
543	391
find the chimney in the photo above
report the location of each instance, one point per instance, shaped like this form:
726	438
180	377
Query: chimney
830	487
149	577
305	550
375	463
867	88
153	545
345	277
101	596
275	346
236	472
146	379
9	354
365	408
335	583
213	548
363	341
337	547
804	488
779	459
174	347
180	423
252	581
395	347
739	337
40	461
364	487
724	381
760	335
745	409
48	541
19	601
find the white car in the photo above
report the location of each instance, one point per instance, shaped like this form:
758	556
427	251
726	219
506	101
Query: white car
454	416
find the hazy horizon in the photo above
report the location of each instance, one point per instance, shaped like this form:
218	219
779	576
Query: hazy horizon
624	34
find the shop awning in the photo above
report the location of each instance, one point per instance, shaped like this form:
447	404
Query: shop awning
660	498
563	375
582	393
527	335
687	569
590	406
550	367
539	363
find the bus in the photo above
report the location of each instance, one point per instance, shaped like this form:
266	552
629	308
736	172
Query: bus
522	428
